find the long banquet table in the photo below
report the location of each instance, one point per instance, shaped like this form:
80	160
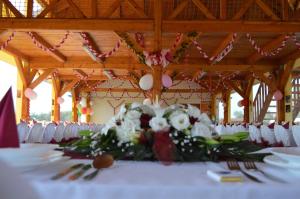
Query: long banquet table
132	179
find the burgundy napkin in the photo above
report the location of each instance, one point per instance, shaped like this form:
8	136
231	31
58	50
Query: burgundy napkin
286	125
8	127
271	126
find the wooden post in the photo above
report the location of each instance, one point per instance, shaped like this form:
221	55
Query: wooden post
157	70
75	96
247	95
88	106
226	99
55	113
213	107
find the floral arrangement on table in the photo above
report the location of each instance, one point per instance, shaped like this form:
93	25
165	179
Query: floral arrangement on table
175	133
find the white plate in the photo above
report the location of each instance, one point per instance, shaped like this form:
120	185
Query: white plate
291	154
277	161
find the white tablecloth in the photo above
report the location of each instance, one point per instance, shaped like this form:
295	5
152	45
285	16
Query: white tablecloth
130	179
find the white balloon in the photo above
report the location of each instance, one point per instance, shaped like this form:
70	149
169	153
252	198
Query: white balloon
147	101
91	103
146	82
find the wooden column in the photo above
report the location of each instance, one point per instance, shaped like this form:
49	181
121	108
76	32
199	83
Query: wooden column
247	95
226	99
75	95
88	106
213	107
55	113
157	70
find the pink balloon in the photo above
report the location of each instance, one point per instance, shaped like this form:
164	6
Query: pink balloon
60	100
240	103
167	81
278	95
30	94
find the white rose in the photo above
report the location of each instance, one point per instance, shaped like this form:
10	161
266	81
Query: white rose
205	119
133	115
180	121
158	123
200	129
126	131
135	105
136	123
110	124
193	111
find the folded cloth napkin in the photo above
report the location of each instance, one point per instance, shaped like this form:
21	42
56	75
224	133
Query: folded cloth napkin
8	126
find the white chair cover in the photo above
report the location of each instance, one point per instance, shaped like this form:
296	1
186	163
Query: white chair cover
49	132
36	133
296	134
59	132
23	130
268	134
221	129
284	135
254	133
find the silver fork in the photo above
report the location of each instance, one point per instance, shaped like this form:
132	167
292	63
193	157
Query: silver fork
251	165
234	165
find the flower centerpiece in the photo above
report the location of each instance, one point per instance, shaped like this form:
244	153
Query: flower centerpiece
175	133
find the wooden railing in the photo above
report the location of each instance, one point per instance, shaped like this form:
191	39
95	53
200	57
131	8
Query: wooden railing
261	103
295	98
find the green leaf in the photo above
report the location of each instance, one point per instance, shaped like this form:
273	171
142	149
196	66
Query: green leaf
86	133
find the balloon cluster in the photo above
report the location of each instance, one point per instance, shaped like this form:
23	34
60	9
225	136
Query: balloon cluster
146	82
30	94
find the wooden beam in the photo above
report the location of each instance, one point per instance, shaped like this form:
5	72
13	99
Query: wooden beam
29	8
21	71
49	8
230	26
76	9
81	73
138	10
13	9
248	89
72	77
223	9
284	10
203	9
267	48
41	78
75	96
94	8
92	44
68	87
284	76
182	5
235	88
245	6
56	54
267	10
32	74
269	82
77	24
292	56
223	44
16	53
114	6
136	90
55	113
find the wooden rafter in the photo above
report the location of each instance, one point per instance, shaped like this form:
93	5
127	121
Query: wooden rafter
29	8
271	84
94	8
91	78
68	87
250	81
55	53
203	9
245	6
223	9
145	25
267	10
49	8
114	6
81	73
12	8
16	53
93	45
135	90
235	88
285	74
292	56
138	10
32	74
182	5
267	48
76	9
21	71
224	44
41	78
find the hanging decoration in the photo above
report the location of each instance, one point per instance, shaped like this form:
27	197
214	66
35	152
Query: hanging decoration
167	81
221	55
97	54
294	38
278	95
115	107
177	40
265	53
163	57
60	100
30	94
44	48
84	110
146	82
240	103
5	44
139	38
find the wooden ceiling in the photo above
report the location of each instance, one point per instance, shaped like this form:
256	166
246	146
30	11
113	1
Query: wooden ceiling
215	20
